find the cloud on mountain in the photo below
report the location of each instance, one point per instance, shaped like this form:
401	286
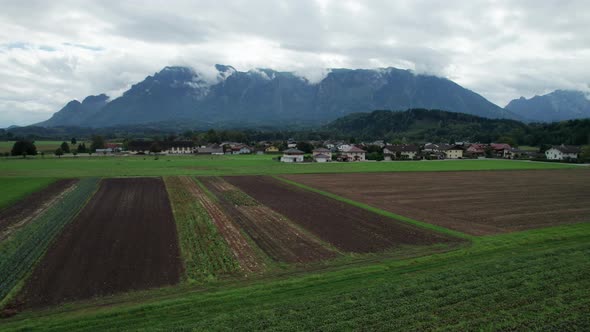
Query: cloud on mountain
55	51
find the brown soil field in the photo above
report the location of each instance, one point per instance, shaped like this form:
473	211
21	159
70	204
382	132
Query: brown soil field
272	232
124	239
242	250
347	227
23	211
477	203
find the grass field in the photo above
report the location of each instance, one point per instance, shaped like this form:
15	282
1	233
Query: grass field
42	146
521	281
232	165
14	189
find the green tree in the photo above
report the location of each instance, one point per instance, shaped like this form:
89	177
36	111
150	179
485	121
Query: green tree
65	147
82	148
585	155
59	152
23	148
73	141
305	147
97	143
155	148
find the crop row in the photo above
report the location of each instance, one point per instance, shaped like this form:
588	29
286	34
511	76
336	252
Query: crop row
20	252
206	254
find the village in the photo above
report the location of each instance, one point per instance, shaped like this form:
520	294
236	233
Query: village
337	151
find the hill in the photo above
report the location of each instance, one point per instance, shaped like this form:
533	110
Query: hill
558	105
268	97
426	125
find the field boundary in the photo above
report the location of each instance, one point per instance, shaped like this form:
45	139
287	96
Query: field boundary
398	217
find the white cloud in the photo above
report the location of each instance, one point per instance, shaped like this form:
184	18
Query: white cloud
52	52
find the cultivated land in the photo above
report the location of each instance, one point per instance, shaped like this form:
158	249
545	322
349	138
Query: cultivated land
14	189
476	203
35	204
347	227
68	167
273	233
124	239
232	273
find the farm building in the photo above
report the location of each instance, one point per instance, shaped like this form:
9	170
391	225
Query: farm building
323	151
292	156
239	149
400	151
322	158
175	147
453	152
271	149
210	149
476	150
501	150
562	152
353	154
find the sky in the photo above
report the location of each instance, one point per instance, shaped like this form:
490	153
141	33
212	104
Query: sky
54	51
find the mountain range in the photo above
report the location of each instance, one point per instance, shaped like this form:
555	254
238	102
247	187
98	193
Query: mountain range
269	97
558	105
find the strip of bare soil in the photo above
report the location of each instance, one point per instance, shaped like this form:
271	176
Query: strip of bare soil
477	203
243	252
345	226
272	232
124	239
31	206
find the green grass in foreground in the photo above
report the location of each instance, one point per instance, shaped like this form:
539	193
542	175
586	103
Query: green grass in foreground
13	189
233	165
534	280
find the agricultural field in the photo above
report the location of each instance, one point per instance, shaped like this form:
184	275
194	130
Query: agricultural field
346	227
113	166
42	146
209	248
477	203
278	237
24	247
19	214
124	239
14	189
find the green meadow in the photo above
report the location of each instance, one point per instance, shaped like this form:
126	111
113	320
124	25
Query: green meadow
84	166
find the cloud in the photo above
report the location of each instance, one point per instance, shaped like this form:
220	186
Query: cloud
52	52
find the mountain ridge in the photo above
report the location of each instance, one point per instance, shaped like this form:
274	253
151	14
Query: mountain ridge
558	105
265	95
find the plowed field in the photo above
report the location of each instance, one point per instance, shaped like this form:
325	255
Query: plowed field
478	203
124	239
345	226
32	205
273	233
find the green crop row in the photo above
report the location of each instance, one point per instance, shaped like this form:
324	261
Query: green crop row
20	252
206	254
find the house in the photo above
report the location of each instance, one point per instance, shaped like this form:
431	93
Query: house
562	152
104	151
400	151
212	149
292	156
353	154
501	150
343	147
453	152
115	147
241	149
324	151
476	150
178	147
434	151
271	149
291	144
322	158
